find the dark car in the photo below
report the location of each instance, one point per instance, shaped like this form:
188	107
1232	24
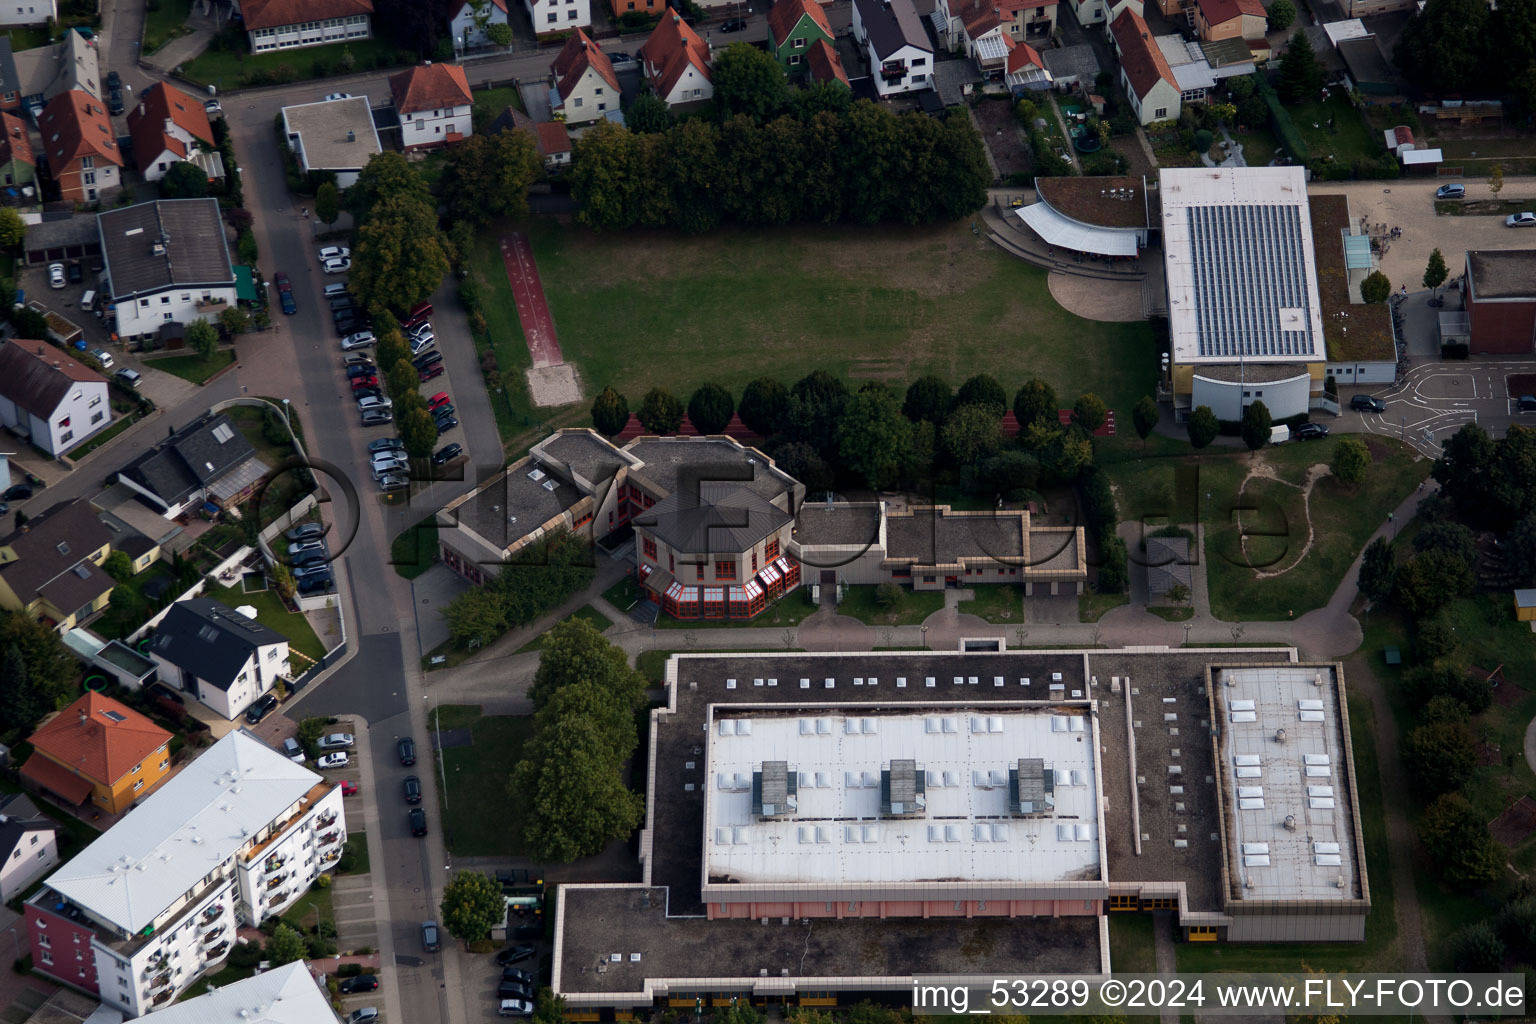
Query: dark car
418	819
431	372
1365	403
347	326
412	789
427	359
306	531
114	80
262	706
285	299
314	556
443	411
18	492
76	275
1309	431
447	454
311	584
514	954
406	748
361	983
357	370
513	990
429	939
115	102
281	281
445	424
734	25
1528	403
367	392
517	974
386	444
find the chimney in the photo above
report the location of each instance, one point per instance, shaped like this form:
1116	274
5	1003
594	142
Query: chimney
82	716
351	135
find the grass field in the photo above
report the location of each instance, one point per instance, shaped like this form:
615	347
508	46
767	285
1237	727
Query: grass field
163	22
229	69
271	613
414	550
586	613
881	303
193	367
913	607
996	602
479	818
1349	138
1091	607
1242	569
489	103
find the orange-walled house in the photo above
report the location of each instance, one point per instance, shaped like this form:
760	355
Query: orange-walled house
80	146
99	750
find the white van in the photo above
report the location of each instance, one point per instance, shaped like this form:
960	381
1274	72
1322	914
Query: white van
1279	435
88	301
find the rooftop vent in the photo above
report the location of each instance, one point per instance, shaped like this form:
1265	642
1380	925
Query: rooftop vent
351	135
774	790
903	789
157	248
1031	789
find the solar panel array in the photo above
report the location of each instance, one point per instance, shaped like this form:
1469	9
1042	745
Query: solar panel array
1249	264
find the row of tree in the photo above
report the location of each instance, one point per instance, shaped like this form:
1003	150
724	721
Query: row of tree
866	166
398	255
1467	46
402	383
534	580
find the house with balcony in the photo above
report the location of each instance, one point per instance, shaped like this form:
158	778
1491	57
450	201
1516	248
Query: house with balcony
168	127
218	655
167	261
98	751
676	62
80	146
896	47
434	105
289	24
985	30
50	399
153	904
50	566
208	460
585	87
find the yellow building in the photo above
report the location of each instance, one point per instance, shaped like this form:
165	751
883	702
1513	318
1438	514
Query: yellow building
1525	607
51	567
100	750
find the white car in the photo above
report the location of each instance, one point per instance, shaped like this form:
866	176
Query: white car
339	265
332	252
425	327
337	96
336	760
337	741
103	357
56	275
360	339
1521	220
422	342
213	107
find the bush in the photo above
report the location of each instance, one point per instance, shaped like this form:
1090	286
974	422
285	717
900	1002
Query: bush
349	970
888	594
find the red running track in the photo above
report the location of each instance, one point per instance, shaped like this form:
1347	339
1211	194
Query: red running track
528	292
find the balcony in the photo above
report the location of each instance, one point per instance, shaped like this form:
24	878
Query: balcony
330	858
212	913
216	952
275	898
160	981
330	837
209	937
274	864
326	822
273	883
163	997
156	964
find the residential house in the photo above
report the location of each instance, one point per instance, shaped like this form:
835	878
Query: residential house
1144	72
552	16
18	165
434	104
169	126
554	145
623	7
471	20
80	146
1230	19
166	261
824	64
332	135
286	995
676	62
50	567
44	72
28	12
208	460
585	87
1025	71
900	58
98	750
233	839
50	399
1103	12
218	655
287	24
983	29
793	26
29	845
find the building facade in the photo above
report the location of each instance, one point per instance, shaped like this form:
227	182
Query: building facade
900	56
28	12
1499	287
434	104
29	845
473	18
554	16
167	261
168	127
676	62
794	26
80	146
1144	72
50	566
50	399
100	751
219	656
584	86
289	24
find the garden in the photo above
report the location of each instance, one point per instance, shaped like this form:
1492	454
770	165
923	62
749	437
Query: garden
479	815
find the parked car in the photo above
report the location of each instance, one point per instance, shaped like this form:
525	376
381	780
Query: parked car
309	557
406	748
362	370
357	359
114	80
441	398
377	417
337	96
1451	192
418	819
304	572
337	741
115	102
335	252
364	404
356	340
286	303
734	25
369	381
416	330
314	584
393	468
421	311
348	788
358	983
293	751
514	954
422	342
412	786
336	760
366	1015
76	275
431	372
17	492
1521	220
1365	403
447	453
56	275
426	359
386	444
369	392
339	265
394	482
306	531
445	424
1528	403
211	107
260	708
129	378
517	974
430	941
514	1008
513	990
281	283
348	324
1309	431
298	547
443	412
103	357
341	301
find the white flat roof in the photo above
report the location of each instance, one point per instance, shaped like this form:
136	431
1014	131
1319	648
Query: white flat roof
1241	273
284	995
1267	781
1338	31
1056	229
1420	156
967	832
322	128
185	829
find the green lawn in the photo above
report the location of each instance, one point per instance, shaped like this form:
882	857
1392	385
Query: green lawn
113	626
489	103
910	610
1277	523
586	613
1180	613
193	367
996	602
97	440
311	909
271	613
1091	607
1130	944
1349	139
515	415
164	21
27	37
882	303
479	816
624	594
415	550
229	70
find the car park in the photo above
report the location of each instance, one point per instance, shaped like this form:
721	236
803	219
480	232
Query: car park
386	444
514	1008
418	820
306	531
445	424
103	357
357	340
340	265
406	748
129	378
412	788
1521	220
293	751
1365	403
335	252
377	417
447	453
56	275
337	741
336	760
260	708
1451	192
513	955
358	983
430	373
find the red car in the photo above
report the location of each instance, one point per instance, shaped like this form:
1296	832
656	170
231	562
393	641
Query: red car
348	788
437	400
364	382
421	313
281	280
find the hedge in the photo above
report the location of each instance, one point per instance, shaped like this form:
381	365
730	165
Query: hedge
1280	122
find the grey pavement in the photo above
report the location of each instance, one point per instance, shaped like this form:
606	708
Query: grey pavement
431	593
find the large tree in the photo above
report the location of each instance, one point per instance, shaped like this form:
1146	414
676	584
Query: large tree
608	176
13	230
927	398
203	337
488	176
610	412
52	671
1090	412
1282	14
1035	403
1442	756
398	257
815	407
417	430
874	438
23	704
1378	569
1431	580
804	463
1144	417
1444	48
972	433
385	176
660	412
1202	426
764	406
1522	550
1451	537
710	408
572	790
472	905
748	81
982	389
475	617
1256	426
1376	287
1457	841
648	115
1351	459
1301	77
1435	271
284	946
1464	471
574	651
327	203
184	180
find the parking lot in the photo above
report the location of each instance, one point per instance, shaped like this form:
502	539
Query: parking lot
1433	400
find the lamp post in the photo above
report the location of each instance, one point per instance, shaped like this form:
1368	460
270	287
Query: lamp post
1186	634
287	420
925	636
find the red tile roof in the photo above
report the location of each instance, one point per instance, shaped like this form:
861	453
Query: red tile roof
273	13
74	125
580	53
672	47
37	377
430	87
1143	62
1217	12
786	14
1022	56
980	17
16	145
147	123
553	138
99	737
55	778
1011	7
502	4
826	65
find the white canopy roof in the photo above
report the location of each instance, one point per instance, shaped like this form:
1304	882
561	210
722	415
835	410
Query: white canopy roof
1069	234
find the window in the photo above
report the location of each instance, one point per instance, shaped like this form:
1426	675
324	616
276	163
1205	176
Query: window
165	763
799	42
143	302
794	59
1123	903
169	316
1160	114
95	402
918	62
43	940
570	15
725	570
138	785
552	15
650	549
576	102
771	550
89	177
272	654
421	125
165	300
754	561
597	92
87	162
135	769
604	106
47	957
66	436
